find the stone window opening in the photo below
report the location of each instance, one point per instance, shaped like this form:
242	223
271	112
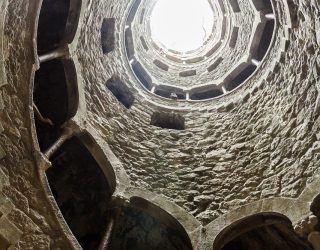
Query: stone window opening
142	15
120	91
161	65
188	73
108	35
263	5
215	64
240	77
142	75
133	12
170	94
261	231
144	44
206	94
235	5
81	190
55	99
168	120
265	40
234	37
129	44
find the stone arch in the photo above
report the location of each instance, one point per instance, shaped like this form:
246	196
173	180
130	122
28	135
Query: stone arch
260	231
82	183
66	14
55	97
144	225
176	213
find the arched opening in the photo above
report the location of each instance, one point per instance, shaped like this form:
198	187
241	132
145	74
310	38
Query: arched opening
58	23
170	93
144	226
206	94
262	5
262	231
235	5
82	189
142	75
239	78
265	41
51	33
55	98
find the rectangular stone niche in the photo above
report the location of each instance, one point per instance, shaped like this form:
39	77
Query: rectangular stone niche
108	35
234	37
235	5
188	73
168	120
142	75
161	65
144	44
120	91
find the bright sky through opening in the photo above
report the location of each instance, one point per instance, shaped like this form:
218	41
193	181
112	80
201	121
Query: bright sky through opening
181	25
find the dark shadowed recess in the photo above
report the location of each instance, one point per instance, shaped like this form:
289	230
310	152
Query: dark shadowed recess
166	93
144	44
56	96
144	226
263	231
52	24
263	5
121	92
315	208
161	65
188	73
215	64
129	44
169	120
58	23
81	191
234	5
108	35
206	94
266	39
234	37
241	77
142	75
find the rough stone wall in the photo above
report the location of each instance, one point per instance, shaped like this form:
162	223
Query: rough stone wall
264	146
26	222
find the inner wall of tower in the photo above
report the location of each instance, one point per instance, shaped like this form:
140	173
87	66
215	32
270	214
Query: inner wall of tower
201	144
236	149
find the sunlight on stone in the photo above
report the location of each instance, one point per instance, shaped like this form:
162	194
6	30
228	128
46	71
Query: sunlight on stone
181	25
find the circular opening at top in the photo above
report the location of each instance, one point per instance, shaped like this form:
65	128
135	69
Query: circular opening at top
181	25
